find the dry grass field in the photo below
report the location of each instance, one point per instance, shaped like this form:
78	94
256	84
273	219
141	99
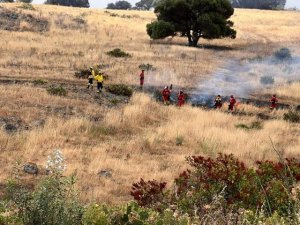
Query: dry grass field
141	138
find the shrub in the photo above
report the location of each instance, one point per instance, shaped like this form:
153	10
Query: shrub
39	82
120	89
283	54
57	90
256	125
118	53
53	202
149	193
179	140
147	67
27	6
160	29
292	116
227	185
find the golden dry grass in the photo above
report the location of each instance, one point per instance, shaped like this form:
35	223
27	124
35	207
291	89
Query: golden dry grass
142	138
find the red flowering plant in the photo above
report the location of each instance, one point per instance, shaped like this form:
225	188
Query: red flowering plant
268	187
151	194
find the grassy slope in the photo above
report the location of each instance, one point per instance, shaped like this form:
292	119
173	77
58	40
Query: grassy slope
139	139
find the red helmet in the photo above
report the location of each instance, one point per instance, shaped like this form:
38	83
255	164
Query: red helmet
231	96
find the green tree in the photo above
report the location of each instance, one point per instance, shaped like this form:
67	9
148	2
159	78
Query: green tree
73	3
119	5
145	4
259	4
6	1
193	19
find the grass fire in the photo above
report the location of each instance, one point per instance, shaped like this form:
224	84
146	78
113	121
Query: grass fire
104	120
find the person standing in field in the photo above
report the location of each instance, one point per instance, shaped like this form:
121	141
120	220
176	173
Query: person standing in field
166	95
90	79
218	102
274	102
99	78
232	103
181	98
142	78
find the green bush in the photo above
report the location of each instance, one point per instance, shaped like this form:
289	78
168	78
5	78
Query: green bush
292	116
120	89
118	53
57	90
53	202
160	29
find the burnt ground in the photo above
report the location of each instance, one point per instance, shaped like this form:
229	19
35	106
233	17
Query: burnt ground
76	89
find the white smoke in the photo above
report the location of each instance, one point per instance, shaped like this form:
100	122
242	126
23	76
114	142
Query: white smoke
244	78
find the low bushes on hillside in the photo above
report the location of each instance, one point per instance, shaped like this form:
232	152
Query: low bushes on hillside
292	116
215	191
120	89
118	53
57	90
227	185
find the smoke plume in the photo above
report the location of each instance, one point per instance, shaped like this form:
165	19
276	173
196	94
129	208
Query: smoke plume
244	78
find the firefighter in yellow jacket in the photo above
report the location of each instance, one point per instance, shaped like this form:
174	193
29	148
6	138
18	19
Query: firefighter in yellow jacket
99	78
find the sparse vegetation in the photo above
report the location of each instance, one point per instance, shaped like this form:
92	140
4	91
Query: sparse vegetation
39	82
120	89
256	125
57	90
292	116
118	53
27	6
147	67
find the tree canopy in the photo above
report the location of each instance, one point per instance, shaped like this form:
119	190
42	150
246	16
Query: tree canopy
193	19
74	3
145	4
119	5
259	4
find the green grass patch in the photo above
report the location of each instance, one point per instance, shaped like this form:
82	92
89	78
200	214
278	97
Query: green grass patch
118	53
256	125
120	89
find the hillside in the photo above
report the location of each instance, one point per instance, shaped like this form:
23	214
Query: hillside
136	137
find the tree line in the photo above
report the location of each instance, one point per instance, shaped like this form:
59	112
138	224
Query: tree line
149	4
251	4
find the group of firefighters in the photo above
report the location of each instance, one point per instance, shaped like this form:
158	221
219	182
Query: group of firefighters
166	96
98	77
233	102
166	92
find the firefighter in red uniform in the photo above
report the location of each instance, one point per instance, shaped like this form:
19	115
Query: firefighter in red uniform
232	102
166	95
180	98
218	102
142	78
274	102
